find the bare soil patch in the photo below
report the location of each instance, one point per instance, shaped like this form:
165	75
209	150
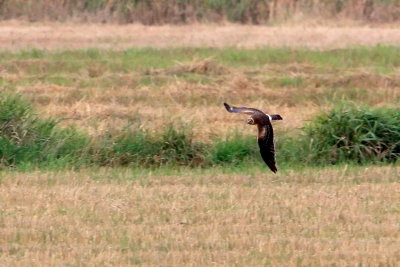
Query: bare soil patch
16	35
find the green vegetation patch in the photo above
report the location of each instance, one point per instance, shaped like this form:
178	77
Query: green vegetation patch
172	146
354	134
33	60
347	134
234	149
25	138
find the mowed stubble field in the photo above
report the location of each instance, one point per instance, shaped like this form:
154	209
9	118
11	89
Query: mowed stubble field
336	216
109	217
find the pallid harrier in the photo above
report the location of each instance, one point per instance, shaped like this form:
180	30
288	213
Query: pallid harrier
265	131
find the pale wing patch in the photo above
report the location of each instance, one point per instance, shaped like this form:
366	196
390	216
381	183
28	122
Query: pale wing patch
248	112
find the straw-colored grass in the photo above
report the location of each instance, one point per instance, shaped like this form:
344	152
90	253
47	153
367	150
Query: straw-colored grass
17	35
107	93
100	111
115	217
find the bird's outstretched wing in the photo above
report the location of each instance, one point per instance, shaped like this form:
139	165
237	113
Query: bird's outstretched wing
250	111
267	147
265	132
243	110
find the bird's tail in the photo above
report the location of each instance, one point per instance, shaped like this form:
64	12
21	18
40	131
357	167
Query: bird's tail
276	117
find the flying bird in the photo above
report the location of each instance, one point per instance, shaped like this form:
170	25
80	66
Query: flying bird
265	131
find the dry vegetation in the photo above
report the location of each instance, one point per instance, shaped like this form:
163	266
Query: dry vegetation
113	109
98	99
105	94
16	35
110	217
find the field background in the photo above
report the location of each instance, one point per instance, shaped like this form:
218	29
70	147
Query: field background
106	78
151	12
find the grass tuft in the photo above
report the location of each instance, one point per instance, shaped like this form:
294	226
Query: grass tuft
172	146
355	134
26	138
234	149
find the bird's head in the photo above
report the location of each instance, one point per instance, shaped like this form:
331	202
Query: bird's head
250	121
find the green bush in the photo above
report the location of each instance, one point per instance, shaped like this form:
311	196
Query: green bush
292	149
347	134
26	138
171	147
234	149
354	134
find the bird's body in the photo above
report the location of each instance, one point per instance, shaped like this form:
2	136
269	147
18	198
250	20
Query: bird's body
265	131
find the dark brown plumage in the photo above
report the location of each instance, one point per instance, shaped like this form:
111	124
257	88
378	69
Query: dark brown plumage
265	131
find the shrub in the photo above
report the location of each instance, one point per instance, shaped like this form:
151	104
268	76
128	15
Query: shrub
352	134
292	149
234	149
171	147
26	138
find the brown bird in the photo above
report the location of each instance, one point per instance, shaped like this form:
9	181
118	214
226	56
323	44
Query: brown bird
265	131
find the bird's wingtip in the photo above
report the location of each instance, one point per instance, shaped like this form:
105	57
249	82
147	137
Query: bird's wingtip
274	170
228	108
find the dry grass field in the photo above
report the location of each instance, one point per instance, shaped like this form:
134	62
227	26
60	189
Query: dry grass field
15	35
106	78
111	217
100	91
